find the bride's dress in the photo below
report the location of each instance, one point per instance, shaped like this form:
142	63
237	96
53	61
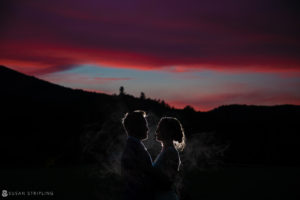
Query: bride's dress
167	164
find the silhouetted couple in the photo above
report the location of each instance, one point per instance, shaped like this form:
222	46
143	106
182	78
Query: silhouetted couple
146	179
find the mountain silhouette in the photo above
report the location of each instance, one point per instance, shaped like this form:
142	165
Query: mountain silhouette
42	122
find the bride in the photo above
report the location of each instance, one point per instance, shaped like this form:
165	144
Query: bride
171	136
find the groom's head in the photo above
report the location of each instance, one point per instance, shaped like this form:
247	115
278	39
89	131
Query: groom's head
135	124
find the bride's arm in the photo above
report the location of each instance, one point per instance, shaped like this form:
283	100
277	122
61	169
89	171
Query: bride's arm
170	165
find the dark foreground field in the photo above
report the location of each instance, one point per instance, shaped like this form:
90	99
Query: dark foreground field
86	182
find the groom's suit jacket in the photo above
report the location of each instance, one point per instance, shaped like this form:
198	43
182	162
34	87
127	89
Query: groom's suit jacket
136	164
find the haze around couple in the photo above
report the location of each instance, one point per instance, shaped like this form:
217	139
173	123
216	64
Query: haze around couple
145	178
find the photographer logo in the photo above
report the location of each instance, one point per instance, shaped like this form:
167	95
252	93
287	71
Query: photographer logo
4	193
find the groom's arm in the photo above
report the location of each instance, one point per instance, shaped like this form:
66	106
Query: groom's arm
155	179
158	180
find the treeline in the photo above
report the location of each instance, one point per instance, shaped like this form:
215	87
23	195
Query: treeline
45	124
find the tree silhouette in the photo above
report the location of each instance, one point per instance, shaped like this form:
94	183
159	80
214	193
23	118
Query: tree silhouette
143	96
189	108
121	90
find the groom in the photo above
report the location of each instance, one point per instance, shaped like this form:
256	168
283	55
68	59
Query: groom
136	162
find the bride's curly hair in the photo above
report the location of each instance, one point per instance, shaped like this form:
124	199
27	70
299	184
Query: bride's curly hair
174	130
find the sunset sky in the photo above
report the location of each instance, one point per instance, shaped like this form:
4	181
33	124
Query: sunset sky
193	52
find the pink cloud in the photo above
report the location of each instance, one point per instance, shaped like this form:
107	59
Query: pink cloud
43	37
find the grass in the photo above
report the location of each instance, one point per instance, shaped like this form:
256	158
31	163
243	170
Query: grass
245	183
85	182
